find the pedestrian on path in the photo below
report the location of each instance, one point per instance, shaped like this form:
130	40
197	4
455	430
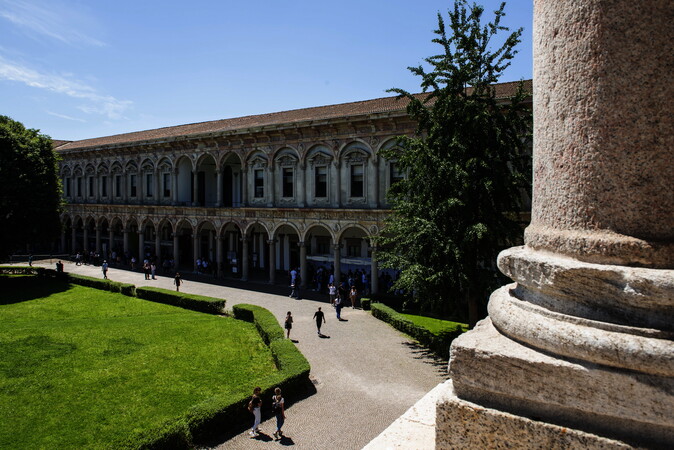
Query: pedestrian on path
332	292
289	324
338	308
255	406
278	408
177	281
30	260
320	319
353	296
153	269
104	268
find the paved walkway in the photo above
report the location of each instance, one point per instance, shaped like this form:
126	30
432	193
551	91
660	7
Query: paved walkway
366	373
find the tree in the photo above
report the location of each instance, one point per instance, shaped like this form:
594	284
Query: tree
30	189
466	169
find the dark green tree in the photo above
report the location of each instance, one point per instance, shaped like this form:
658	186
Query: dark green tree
466	169
30	189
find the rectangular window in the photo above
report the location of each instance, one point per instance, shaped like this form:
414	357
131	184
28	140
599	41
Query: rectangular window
104	186
259	183
79	186
357	180
288	183
148	185
91	186
132	185
321	182
167	185
353	248
396	173
66	186
118	185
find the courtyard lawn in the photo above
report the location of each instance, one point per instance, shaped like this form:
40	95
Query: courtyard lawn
83	368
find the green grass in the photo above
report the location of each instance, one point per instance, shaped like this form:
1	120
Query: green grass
435	326
83	368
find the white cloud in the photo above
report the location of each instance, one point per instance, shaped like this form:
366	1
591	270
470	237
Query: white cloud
63	116
105	105
54	21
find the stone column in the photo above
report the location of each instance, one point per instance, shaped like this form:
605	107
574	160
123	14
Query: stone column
157	185
219	188
195	249
374	271
98	239
374	193
303	264
244	258
337	184
301	185
285	255
218	255
141	247
244	185
271	185
125	187
126	240
176	250
195	187
174	187
582	342
272	261
337	248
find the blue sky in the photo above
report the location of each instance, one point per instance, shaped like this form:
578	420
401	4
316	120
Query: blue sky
80	69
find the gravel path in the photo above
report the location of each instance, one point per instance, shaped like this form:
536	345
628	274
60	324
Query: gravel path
366	373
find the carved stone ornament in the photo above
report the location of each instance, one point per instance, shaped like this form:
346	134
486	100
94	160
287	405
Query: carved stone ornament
320	159
336	227
286	160
258	163
356	157
374	229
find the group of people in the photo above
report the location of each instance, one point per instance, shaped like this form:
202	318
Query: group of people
277	407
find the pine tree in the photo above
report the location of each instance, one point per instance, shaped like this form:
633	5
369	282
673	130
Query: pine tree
466	169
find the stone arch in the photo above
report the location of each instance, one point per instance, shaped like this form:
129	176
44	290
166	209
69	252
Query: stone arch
258	235
184	168
287	237
231	171
183	235
102	167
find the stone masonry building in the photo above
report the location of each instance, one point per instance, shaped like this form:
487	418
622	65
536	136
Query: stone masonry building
256	194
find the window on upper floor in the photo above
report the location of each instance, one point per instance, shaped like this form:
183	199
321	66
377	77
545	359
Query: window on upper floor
259	183
118	185
79	186
396	174
148	185
132	185
167	185
357	180
321	182
104	186
91	186
66	186
288	185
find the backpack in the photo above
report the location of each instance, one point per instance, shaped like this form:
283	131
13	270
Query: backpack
276	405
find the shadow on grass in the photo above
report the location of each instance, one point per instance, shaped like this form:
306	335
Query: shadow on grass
427	356
245	420
17	289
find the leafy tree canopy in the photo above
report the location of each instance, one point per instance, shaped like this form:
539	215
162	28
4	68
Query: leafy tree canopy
30	189
466	168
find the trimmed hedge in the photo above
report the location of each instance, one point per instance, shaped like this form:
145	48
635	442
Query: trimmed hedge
17	270
97	283
212	416
199	303
366	303
437	343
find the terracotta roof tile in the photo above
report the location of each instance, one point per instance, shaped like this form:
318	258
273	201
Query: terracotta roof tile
319	113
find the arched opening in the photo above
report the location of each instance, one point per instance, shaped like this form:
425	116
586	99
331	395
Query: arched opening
185	184
287	249
185	251
320	262
232	250
205	254
206	185
232	182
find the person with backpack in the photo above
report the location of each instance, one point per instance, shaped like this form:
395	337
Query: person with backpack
278	408
254	407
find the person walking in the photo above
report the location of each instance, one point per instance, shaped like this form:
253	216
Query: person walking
332	292
319	317
338	308
177	281
30	260
255	406
153	270
104	268
278	408
288	324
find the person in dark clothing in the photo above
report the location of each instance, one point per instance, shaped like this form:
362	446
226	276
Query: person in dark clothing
320	319
177	281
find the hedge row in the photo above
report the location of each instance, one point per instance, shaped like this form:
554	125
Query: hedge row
17	270
199	303
437	343
213	416
366	303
